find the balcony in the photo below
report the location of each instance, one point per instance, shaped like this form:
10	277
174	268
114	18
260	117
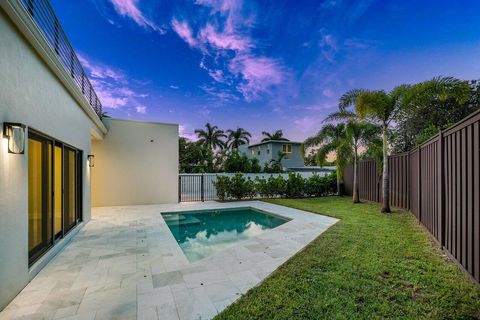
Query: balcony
41	12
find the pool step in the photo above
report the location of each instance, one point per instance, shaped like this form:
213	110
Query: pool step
180	219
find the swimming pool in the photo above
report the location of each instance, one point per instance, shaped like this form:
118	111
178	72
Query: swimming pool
202	233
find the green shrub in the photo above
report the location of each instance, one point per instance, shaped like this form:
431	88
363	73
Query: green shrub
262	187
238	186
222	185
315	186
276	186
295	186
250	188
330	182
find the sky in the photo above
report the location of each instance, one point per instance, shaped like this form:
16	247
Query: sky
262	65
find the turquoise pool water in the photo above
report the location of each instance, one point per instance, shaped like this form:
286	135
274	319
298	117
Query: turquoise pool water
202	233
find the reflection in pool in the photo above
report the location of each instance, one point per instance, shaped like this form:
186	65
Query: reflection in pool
202	233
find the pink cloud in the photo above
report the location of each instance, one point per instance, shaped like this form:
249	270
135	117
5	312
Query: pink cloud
129	8
224	40
184	31
111	86
259	74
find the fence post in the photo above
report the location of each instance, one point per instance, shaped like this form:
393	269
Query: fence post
441	191
202	187
419	184
179	188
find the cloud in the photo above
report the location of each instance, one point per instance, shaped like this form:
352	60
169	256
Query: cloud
174	87
182	28
100	71
327	92
224	40
129	8
306	124
141	109
259	74
111	86
182	132
230	55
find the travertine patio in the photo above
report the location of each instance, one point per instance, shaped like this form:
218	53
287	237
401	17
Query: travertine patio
125	264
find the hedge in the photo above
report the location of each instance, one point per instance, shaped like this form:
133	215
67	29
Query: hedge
295	186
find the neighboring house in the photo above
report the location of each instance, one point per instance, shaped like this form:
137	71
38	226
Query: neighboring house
267	151
58	157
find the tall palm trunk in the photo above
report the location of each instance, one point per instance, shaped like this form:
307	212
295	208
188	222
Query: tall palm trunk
386	177
339	184
356	197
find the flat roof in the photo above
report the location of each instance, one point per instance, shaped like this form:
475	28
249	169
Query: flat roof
273	141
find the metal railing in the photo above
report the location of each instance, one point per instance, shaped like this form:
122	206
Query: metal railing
44	17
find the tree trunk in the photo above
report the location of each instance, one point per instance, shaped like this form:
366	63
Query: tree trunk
356	197
339	183
386	177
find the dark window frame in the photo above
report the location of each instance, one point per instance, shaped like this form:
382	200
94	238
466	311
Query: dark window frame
52	142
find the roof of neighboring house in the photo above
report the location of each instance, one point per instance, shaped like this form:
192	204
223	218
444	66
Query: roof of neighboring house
273	141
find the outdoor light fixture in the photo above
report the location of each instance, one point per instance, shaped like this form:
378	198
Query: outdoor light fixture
15	133
91	160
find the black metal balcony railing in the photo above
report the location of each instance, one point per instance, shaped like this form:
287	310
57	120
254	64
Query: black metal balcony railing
42	13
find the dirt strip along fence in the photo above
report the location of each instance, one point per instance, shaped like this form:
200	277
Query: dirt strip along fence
439	182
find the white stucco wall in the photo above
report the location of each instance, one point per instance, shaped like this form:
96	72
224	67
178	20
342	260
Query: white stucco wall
32	94
136	163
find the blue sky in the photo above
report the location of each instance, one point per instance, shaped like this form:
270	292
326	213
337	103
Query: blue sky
262	65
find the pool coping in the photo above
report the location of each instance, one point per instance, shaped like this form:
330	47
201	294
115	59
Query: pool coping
125	263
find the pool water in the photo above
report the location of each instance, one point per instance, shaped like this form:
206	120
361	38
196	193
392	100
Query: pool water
202	233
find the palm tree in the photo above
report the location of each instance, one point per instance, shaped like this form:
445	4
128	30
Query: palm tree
361	134
237	137
277	135
378	107
276	164
211	137
331	138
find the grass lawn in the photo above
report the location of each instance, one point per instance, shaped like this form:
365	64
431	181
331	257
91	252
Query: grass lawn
367	266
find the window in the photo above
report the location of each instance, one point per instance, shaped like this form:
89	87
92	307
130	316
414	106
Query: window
54	192
287	150
258	152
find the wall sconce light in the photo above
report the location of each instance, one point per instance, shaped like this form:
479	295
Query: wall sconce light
15	133
91	160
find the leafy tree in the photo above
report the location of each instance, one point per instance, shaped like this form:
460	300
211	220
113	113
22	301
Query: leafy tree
235	161
331	138
430	106
211	137
361	134
277	135
238	137
378	107
193	157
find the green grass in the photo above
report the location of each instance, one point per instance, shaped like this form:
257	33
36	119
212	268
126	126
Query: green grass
367	266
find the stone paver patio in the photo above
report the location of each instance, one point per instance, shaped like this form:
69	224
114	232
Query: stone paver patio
125	264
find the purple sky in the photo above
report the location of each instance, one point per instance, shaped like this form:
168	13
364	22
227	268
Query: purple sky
262	65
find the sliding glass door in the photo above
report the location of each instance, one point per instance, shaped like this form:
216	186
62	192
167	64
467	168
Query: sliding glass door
39	199
54	192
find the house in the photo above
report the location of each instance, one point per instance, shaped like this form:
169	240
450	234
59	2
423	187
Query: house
268	151
58	156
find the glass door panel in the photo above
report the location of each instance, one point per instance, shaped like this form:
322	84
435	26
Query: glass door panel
39	196
70	190
57	192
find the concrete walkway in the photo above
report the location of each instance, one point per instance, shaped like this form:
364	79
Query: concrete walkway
125	264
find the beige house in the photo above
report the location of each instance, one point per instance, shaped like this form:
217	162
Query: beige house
58	157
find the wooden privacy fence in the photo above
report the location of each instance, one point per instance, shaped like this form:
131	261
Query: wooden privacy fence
439	182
